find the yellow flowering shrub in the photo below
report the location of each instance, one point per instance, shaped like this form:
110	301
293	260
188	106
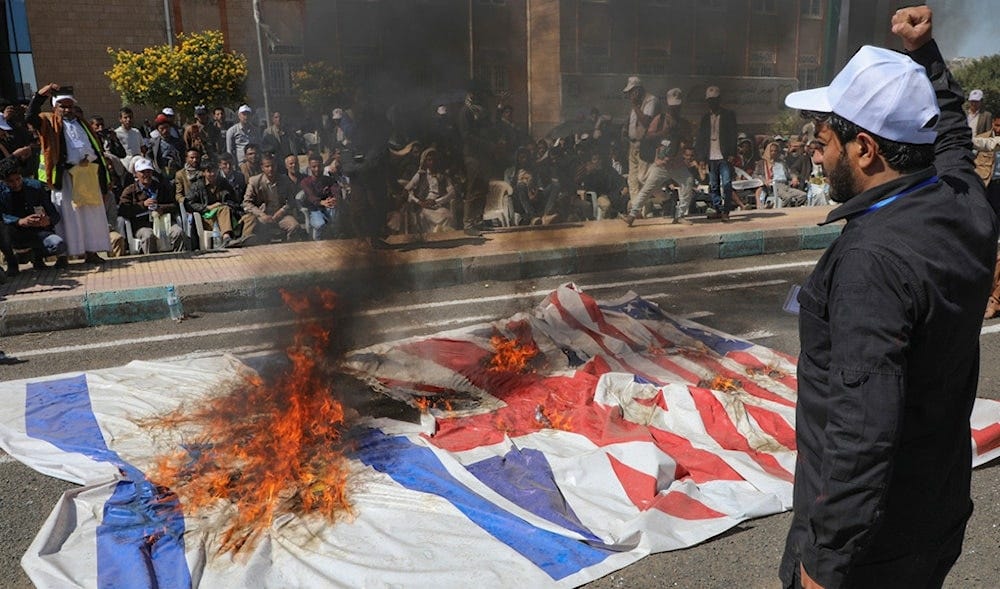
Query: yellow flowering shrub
320	86
196	70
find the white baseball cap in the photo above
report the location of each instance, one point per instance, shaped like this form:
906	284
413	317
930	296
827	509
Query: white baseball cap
882	91
675	97
142	164
976	94
246	109
168	111
633	82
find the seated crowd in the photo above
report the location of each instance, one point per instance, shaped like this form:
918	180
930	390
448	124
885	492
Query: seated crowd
166	186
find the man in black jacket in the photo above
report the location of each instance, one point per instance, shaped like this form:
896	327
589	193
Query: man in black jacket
889	325
716	145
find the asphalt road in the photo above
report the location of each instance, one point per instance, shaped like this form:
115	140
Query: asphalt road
742	296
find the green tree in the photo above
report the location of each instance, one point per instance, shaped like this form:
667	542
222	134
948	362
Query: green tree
196	70
320	87
984	74
788	123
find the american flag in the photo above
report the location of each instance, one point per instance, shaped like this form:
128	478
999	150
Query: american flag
621	431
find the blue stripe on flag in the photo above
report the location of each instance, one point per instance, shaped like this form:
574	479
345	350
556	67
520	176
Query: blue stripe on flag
721	345
140	541
641	309
419	469
525	478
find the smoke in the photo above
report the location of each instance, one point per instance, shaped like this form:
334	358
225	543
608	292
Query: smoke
965	28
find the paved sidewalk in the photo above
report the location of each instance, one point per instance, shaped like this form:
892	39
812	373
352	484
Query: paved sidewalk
133	288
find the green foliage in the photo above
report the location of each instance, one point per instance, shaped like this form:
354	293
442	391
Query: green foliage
196	70
982	73
320	87
789	122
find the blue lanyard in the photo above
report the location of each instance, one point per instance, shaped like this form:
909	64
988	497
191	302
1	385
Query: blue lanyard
885	201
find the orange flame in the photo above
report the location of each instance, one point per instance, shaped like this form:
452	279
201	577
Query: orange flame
267	448
553	419
721	383
511	355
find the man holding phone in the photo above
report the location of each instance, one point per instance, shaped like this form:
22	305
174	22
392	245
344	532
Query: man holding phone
29	219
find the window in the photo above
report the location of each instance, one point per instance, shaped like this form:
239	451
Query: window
808	71
491	68
279	75
17	66
710	56
765	6
359	63
762	63
654	61
595	59
812	8
809	77
494	75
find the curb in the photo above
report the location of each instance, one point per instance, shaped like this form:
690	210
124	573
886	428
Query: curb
149	303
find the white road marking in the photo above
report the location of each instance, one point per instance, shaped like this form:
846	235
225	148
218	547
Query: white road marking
756	334
241	351
590	287
742	285
442	323
994	328
152	338
414	307
698	315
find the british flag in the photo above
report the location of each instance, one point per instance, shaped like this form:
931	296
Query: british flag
556	446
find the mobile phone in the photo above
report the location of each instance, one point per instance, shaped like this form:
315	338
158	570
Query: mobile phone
65	89
40	211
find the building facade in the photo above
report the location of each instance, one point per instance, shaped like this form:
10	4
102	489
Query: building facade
551	59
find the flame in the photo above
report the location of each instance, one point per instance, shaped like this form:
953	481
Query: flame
721	383
511	355
266	448
553	419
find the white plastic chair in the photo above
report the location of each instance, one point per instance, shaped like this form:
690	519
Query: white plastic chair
189	219
161	230
499	204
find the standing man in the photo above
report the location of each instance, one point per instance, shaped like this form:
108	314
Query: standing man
988	167
889	325
668	164
475	129
128	136
643	109
202	135
241	134
979	120
75	170
716	144
277	140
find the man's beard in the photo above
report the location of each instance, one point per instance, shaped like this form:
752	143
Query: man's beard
842	180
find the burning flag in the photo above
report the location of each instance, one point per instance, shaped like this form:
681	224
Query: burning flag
265	448
627	432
